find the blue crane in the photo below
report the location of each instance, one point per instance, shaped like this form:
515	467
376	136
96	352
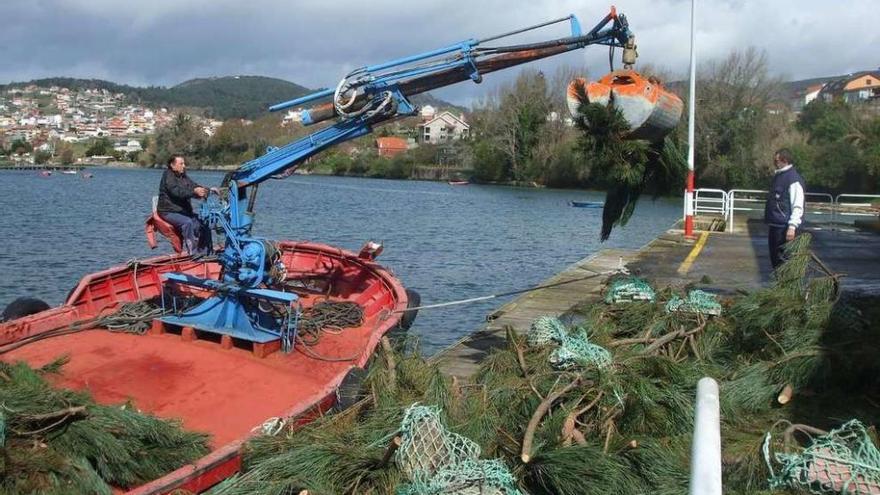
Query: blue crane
246	303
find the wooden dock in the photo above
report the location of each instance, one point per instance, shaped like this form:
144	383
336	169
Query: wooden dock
588	276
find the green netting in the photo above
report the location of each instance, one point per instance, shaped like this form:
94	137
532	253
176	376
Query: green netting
629	289
546	330
697	301
438	461
843	461
574	350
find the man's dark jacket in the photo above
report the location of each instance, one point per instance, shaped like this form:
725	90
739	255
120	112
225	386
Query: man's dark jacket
175	193
777	210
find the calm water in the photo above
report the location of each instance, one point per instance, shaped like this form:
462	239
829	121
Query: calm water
445	242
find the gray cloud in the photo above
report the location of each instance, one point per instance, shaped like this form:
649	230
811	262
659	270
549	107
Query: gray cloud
313	43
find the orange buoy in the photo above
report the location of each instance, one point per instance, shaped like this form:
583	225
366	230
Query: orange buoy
651	110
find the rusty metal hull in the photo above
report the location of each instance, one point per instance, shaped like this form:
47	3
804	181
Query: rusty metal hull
651	110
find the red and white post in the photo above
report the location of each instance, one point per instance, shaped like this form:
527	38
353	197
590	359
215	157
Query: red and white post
689	186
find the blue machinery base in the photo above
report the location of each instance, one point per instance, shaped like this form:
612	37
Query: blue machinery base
226	314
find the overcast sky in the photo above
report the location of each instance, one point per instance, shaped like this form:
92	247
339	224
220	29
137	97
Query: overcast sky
314	43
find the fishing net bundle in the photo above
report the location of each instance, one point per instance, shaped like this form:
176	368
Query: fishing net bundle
572	350
61	441
697	301
842	461
629	289
437	461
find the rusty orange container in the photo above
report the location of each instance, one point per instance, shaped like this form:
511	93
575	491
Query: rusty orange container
651	110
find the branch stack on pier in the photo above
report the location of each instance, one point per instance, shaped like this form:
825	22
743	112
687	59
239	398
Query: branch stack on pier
615	421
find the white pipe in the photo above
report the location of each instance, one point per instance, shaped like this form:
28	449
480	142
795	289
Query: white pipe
706	447
692	102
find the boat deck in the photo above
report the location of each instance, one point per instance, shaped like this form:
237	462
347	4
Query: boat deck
224	392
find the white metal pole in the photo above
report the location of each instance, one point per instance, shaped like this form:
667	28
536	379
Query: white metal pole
689	187
706	447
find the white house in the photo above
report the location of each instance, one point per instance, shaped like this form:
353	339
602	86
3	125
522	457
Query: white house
428	112
444	127
812	93
128	146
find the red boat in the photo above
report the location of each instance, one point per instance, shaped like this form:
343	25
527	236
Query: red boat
216	385
458	183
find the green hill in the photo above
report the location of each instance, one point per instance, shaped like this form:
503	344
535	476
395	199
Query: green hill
220	97
226	97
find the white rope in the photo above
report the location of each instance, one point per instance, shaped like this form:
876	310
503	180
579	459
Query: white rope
621	269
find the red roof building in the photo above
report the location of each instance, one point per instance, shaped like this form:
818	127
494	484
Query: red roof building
390	146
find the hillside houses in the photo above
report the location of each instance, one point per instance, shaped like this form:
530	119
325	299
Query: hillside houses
856	88
37	115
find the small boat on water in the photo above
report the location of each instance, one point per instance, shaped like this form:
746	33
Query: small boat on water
587	204
458	183
69	172
222	386
45	173
86	175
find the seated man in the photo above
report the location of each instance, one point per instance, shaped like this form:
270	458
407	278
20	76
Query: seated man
175	192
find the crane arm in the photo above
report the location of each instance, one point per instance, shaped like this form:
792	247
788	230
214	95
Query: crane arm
376	94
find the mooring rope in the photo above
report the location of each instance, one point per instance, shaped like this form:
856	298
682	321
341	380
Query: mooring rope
621	270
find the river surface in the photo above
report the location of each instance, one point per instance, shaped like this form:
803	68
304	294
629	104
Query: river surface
446	242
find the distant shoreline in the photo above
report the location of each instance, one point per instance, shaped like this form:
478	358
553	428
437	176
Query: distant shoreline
229	168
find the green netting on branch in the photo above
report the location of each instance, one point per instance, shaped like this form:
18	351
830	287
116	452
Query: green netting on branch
629	289
574	351
843	461
697	301
546	330
438	461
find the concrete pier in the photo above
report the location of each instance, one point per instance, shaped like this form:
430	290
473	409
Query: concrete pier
719	262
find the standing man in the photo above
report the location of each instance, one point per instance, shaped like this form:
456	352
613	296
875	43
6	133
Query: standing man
785	205
175	192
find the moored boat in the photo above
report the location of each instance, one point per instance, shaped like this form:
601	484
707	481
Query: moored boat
458	183
221	386
586	204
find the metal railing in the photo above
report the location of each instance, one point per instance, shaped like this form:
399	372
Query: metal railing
857	209
748	198
710	201
819	207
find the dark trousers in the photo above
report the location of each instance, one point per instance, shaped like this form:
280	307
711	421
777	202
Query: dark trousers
776	241
196	235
